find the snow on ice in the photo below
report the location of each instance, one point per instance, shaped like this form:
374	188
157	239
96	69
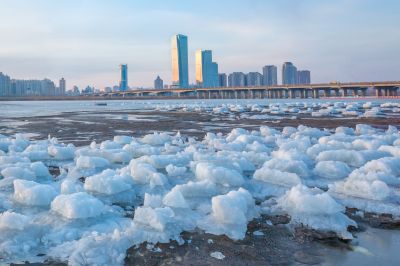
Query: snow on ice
175	184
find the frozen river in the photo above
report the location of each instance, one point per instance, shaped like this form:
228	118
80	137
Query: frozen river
42	108
244	172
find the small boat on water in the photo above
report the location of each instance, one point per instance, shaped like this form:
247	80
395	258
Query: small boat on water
101	104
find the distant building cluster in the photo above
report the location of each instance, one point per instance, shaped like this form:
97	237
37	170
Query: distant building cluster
268	77
17	87
207	75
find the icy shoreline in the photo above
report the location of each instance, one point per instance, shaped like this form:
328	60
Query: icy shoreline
171	184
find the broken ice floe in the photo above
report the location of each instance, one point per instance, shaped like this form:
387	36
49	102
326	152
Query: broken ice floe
123	192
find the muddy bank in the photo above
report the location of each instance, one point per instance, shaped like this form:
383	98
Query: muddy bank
80	128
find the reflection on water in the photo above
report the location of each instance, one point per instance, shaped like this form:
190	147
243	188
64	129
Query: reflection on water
375	247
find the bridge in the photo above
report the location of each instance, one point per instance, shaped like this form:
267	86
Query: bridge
333	89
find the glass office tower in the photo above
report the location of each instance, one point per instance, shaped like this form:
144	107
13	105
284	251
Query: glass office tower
123	84
180	66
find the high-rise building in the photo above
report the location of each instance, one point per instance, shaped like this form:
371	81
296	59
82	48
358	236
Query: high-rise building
254	79
289	74
44	87
76	90
5	85
303	77
62	86
237	79
123	84
223	82
206	69
158	83
180	65
270	75
214	75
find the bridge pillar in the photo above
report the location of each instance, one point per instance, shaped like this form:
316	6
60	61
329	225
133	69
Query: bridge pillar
363	92
292	93
302	93
355	92
315	93
279	92
378	92
344	92
386	92
395	91
336	91
327	92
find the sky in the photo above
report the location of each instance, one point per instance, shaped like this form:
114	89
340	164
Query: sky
85	41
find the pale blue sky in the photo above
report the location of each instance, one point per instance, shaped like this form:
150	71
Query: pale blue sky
86	40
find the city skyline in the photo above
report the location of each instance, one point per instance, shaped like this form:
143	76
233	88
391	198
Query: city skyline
334	40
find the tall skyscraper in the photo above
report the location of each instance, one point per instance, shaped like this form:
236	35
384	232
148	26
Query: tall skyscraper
123	84
180	65
254	79
303	77
270	75
206	69
62	86
5	85
214	75
223	82
158	83
289	74
237	79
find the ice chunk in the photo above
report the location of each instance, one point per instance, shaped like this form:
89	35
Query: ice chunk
18	172
219	175
156	139
77	206
315	209
332	169
13	221
62	153
156	219
175	199
291	166
13	159
350	157
217	255
40	169
144	173
91	162
175	171
70	186
375	190
230	214
107	182
110	145
32	193
153	201
123	139
276	177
